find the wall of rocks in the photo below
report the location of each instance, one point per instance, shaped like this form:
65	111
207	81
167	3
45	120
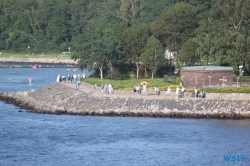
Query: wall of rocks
60	99
39	60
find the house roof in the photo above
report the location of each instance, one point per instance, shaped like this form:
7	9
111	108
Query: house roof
218	68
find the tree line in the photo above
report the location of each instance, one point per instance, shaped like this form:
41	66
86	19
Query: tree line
128	39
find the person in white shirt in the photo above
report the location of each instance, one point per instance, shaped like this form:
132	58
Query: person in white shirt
195	92
177	91
182	91
169	90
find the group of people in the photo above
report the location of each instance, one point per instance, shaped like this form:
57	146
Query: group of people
107	89
137	89
197	94
77	78
180	91
70	78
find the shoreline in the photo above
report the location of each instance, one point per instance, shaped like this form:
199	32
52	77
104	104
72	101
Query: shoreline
38	60
60	99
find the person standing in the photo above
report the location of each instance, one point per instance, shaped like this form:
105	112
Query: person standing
137	88
195	92
182	91
110	89
101	88
83	76
78	76
105	88
157	90
169	91
78	82
74	76
177	91
68	78
144	89
58	78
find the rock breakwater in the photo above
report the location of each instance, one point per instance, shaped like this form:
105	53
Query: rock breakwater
39	60
60	99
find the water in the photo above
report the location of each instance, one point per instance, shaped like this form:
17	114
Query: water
42	139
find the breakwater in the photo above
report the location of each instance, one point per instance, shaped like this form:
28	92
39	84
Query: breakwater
60	99
39	60
39	65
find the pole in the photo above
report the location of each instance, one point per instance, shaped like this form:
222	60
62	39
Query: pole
210	80
155	63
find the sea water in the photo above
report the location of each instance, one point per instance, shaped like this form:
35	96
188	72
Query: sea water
45	139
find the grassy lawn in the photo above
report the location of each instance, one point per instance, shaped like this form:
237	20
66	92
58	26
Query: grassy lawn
21	55
129	84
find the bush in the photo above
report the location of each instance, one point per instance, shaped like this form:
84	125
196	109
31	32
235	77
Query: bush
242	89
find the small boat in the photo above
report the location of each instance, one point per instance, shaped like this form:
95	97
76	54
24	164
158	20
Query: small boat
74	69
68	69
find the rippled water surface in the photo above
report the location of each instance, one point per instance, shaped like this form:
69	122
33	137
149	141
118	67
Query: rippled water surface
42	139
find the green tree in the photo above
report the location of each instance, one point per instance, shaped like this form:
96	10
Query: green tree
99	52
188	55
134	42
176	25
152	57
226	31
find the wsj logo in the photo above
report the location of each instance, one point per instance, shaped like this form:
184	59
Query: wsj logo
234	158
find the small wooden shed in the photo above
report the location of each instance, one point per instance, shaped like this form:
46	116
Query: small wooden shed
206	76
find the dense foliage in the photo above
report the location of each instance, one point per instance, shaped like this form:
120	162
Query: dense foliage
123	39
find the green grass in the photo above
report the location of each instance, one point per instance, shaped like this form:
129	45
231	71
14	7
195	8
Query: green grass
23	55
129	84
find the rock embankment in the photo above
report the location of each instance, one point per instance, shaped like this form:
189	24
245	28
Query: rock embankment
60	99
39	60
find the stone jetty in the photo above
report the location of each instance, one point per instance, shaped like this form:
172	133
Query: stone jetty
60	98
39	60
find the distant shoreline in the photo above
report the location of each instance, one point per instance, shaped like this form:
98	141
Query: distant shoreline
39	60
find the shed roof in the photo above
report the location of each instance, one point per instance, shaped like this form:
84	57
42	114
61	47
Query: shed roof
218	68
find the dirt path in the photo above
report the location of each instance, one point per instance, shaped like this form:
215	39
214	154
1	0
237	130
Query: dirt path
95	91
